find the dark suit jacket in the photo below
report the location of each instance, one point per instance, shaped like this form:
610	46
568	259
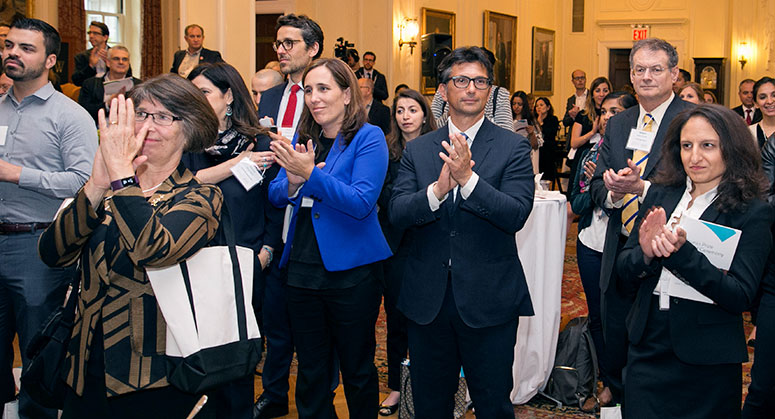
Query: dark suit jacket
92	96
380	83
82	71
614	155
700	333
476	234
270	102
205	56
757	114
379	115
567	120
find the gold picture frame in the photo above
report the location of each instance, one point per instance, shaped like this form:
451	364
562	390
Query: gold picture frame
500	37
542	69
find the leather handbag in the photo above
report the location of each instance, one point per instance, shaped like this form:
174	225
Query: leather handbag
42	379
212	332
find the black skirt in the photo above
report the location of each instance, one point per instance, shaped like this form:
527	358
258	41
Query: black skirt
659	385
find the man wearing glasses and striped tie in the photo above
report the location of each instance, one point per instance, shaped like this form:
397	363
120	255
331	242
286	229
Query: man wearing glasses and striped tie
629	157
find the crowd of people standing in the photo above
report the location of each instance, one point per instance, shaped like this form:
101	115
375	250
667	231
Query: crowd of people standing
420	213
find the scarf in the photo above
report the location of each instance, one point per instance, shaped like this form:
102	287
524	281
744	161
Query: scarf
229	143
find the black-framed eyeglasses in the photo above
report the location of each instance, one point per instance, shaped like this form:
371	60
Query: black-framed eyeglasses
163	119
462	82
286	43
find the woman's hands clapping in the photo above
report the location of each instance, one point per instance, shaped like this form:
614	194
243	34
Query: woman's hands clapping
298	162
656	239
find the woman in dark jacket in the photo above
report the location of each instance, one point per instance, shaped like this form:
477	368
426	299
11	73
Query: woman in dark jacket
686	326
411	118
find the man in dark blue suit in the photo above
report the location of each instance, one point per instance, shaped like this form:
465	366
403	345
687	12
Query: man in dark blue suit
621	182
185	60
299	41
462	192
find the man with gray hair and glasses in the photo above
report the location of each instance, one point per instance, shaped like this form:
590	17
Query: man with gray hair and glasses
628	158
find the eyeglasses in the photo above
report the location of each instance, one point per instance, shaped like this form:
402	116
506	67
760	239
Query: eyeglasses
161	119
656	70
94	33
462	82
286	43
580	78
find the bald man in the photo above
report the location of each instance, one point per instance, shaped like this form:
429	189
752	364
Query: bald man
263	80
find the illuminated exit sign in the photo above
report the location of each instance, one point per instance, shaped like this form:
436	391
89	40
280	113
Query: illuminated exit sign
640	32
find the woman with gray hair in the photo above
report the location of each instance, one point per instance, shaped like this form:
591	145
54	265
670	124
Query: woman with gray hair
140	208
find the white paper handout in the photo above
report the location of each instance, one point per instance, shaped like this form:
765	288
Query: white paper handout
717	242
114	87
247	173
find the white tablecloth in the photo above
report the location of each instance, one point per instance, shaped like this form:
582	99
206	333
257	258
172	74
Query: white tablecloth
541	244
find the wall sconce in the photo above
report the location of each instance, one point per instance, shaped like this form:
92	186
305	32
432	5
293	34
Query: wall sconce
408	31
744	53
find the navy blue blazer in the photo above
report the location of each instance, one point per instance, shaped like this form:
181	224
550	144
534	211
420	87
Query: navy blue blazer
702	334
476	234
614	155
345	192
205	56
270	102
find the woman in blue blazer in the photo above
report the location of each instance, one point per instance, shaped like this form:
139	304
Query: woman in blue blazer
332	175
685	351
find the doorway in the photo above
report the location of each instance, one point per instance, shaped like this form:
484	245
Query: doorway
619	68
265	35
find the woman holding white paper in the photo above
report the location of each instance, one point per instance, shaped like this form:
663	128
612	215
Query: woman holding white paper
241	144
685	355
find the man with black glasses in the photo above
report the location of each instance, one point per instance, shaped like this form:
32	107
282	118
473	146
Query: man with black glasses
462	193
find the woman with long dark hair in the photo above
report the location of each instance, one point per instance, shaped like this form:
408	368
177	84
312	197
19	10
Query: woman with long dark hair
411	117
257	223
543	111
686	326
585	131
332	175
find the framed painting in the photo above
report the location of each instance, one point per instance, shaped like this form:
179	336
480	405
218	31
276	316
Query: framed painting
500	37
543	62
11	10
437	32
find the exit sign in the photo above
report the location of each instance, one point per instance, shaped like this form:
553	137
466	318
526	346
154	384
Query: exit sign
640	32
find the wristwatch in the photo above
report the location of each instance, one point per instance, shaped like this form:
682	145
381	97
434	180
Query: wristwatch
122	183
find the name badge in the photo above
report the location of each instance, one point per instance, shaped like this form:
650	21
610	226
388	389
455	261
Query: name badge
307	202
640	140
286	132
3	133
247	173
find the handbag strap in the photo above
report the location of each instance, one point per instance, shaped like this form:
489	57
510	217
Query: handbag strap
227	228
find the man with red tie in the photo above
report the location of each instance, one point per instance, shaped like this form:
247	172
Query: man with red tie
747	110
299	41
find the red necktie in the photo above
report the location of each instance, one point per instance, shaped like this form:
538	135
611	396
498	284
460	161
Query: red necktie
290	110
748	116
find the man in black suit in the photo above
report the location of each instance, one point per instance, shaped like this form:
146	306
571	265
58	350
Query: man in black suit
368	71
379	114
577	101
299	41
92	96
747	110
93	61
195	54
621	181
464	288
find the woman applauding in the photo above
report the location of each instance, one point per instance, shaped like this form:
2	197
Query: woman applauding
332	175
686	330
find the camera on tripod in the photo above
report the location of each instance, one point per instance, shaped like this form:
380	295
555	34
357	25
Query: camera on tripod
340	48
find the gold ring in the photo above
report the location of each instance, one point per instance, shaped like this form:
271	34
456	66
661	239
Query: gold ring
113	123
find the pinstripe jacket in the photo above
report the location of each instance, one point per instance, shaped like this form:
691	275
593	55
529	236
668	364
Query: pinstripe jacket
114	243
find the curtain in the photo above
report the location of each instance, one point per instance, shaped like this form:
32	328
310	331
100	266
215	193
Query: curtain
72	30
151	42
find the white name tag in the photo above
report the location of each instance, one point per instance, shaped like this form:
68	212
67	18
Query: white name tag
286	132
3	133
640	140
307	202
247	173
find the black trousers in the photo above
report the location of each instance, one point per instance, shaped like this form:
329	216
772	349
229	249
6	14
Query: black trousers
760	402
440	348
329	323
397	343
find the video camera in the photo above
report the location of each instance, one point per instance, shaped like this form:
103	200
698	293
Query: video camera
340	48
